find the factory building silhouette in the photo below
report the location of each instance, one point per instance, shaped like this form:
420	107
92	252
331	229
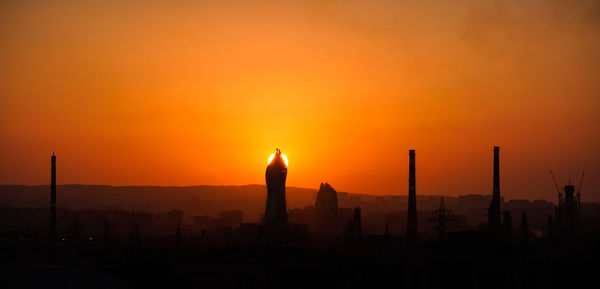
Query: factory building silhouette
343	245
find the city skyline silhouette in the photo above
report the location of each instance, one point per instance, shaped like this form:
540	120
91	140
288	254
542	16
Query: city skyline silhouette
299	144
334	81
281	228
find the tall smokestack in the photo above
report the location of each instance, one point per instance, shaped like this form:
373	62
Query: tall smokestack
52	230
411	226
497	173
494	222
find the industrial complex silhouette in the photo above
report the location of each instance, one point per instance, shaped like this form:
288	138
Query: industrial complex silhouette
331	242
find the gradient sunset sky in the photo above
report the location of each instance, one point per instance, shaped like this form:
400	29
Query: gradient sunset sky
202	92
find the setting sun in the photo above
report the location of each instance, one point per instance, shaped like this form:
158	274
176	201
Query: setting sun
282	155
197	93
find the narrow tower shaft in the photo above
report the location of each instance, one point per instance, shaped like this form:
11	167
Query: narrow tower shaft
275	211
496	191
411	226
52	229
494	221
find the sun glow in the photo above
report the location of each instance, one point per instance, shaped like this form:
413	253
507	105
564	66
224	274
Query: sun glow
285	160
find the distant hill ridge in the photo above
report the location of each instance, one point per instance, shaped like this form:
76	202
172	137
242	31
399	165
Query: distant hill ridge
210	200
202	199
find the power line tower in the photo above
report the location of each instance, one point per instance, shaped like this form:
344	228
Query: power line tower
441	217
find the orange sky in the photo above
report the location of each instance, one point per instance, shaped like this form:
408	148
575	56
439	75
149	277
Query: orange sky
186	93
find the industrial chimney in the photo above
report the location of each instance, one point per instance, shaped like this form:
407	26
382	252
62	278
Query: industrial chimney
52	230
411	225
494	222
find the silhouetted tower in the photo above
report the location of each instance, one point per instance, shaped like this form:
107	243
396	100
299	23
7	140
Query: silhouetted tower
52	233
569	204
326	211
570	208
441	217
276	212
412	233
508	227
524	229
494	223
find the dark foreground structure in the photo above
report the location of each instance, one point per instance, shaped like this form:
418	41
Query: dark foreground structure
464	260
112	249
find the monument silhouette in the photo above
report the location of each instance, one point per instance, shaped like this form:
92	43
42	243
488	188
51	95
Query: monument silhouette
275	222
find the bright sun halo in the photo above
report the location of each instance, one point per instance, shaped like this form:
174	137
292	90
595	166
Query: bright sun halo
285	160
